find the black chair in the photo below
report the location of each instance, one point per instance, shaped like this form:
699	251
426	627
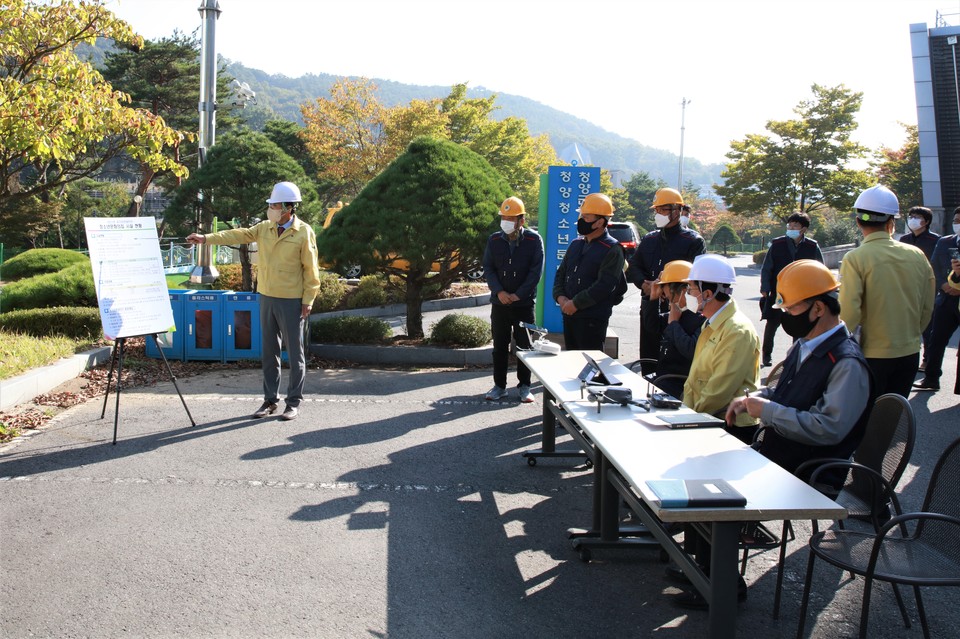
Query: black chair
637	365
674	381
885	450
671	383
928	557
774	375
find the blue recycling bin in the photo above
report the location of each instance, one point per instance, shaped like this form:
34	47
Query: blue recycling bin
241	315
203	325
171	342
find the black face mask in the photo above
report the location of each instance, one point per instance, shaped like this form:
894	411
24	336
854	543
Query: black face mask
584	227
797	326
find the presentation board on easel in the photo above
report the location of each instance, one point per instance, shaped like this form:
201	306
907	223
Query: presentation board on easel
128	274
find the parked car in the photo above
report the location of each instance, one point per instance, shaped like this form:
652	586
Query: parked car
626	234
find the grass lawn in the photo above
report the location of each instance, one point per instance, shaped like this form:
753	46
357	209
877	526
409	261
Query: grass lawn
178	280
21	353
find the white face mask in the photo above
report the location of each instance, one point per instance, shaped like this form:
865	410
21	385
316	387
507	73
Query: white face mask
274	215
507	226
684	221
915	223
956	229
691	302
661	220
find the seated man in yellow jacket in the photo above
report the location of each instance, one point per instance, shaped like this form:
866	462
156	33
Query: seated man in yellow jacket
726	362
726	365
288	280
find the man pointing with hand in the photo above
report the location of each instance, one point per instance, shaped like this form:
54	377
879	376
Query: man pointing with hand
288	280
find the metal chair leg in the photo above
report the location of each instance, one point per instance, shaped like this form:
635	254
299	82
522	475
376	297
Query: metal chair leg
808	580
780	567
903	609
865	608
921	612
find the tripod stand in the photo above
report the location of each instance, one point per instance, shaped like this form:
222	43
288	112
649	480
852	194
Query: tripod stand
116	361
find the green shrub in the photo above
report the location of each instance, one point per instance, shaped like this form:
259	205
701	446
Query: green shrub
73	286
372	291
332	292
759	256
349	330
40	261
231	277
66	321
461	330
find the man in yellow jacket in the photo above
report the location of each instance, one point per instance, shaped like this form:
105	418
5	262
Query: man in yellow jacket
726	362
288	279
887	293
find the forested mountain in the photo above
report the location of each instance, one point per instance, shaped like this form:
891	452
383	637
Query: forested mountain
283	96
279	96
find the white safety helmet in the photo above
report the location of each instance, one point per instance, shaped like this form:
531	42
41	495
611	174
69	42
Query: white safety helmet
877	204
284	192
714	269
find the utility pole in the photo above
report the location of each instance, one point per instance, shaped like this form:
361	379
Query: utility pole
683	116
205	272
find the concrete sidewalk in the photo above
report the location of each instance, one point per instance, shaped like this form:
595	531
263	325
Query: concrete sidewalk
397	506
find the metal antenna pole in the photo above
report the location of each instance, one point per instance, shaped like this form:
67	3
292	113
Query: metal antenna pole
683	117
204	272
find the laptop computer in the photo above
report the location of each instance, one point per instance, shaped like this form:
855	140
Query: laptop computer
689	420
593	374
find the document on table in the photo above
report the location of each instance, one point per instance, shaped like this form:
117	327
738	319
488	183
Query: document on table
695	493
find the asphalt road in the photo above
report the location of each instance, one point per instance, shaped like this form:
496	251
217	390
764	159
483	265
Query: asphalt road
397	506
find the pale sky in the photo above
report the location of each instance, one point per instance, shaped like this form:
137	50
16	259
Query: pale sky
624	65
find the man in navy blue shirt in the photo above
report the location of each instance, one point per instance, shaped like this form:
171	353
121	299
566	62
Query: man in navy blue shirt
946	316
590	280
918	230
671	241
919	235
794	245
512	266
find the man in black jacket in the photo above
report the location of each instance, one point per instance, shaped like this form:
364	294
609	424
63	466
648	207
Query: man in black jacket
795	245
512	266
918	234
590	280
946	315
671	241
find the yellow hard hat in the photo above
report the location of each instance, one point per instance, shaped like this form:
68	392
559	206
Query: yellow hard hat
512	206
675	271
803	279
666	196
597	204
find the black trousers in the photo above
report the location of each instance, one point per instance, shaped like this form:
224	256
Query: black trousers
584	333
894	374
649	333
505	324
946	319
774	317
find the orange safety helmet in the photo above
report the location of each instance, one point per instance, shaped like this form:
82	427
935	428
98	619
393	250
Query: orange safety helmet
512	206
666	196
597	204
803	279
675	271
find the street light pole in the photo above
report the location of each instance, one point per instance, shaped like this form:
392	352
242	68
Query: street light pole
683	117
205	272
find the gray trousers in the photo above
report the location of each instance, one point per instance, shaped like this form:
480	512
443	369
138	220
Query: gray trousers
280	320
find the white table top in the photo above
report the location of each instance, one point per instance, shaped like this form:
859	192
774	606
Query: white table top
642	447
558	373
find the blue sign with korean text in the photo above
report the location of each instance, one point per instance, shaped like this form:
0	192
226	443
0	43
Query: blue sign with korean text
567	186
